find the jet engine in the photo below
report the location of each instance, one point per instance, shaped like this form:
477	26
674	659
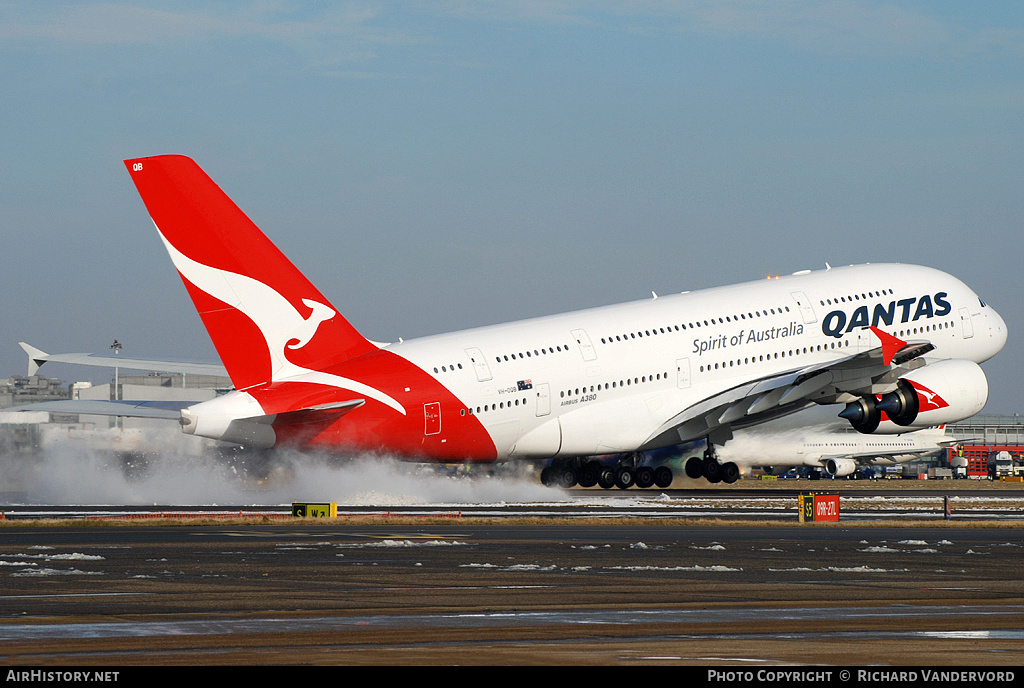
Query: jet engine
942	392
840	467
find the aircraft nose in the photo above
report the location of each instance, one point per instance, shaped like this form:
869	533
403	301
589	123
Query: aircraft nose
997	331
1000	331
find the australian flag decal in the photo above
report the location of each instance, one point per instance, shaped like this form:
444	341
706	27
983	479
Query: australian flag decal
525	385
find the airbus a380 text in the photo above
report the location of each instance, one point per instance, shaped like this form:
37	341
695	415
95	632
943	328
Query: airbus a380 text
894	347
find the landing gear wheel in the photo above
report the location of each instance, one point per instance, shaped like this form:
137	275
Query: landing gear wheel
546	476
712	470
663	476
694	468
606	478
730	473
567	478
644	477
589	474
625	478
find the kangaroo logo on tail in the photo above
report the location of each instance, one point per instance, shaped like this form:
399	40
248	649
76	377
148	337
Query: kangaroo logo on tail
282	326
261	312
312	323
280	323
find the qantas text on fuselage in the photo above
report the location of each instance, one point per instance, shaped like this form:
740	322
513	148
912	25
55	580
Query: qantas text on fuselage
837	323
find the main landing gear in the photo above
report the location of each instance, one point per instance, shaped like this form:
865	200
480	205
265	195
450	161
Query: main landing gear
569	472
711	469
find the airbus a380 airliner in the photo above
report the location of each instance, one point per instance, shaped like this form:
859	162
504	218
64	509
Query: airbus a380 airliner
894	347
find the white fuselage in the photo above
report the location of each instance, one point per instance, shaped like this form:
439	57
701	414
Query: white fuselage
611	379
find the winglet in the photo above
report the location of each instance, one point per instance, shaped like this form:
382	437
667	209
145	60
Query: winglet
36	357
890	345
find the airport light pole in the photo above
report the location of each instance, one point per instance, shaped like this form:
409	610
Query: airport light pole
116	346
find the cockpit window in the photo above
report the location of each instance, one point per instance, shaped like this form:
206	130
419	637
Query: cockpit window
981	302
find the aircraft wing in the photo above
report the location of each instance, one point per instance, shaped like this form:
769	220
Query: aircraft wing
762	400
871	458
37	358
169	410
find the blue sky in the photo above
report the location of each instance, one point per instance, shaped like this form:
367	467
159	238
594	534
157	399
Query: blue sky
433	166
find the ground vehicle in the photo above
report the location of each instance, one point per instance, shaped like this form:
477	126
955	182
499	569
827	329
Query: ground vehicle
1000	464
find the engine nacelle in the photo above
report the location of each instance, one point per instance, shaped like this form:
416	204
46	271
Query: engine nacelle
840	467
942	392
863	414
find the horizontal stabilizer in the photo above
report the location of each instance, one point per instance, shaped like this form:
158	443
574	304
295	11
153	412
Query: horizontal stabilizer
318	414
37	358
169	410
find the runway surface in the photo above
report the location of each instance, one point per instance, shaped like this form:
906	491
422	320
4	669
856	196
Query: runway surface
551	590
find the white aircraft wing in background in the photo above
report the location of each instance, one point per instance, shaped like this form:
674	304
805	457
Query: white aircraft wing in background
37	358
836	452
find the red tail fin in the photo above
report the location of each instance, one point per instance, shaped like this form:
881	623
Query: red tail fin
265	318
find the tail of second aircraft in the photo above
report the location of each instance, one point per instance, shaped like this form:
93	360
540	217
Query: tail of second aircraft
265	318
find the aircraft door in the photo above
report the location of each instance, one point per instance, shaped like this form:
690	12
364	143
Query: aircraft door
543	393
476	357
804	304
965	322
683	373
586	348
432	418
